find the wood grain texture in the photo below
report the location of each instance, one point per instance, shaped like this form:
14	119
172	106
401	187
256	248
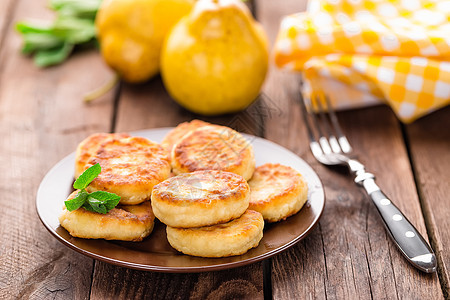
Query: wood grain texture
300	272
347	256
42	119
7	8
350	255
394	176
429	143
240	283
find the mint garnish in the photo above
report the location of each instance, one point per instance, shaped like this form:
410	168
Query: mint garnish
99	201
77	202
90	174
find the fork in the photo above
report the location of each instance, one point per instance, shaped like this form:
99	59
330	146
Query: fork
331	147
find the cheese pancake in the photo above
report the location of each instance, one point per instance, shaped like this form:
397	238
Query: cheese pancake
89	146
233	238
125	223
131	167
178	132
213	147
277	191
200	198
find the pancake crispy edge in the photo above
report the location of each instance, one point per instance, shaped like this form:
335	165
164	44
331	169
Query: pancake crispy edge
232	238
213	147
126	222
89	147
277	191
200	198
181	130
131	167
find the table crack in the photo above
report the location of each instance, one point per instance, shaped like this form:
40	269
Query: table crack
392	266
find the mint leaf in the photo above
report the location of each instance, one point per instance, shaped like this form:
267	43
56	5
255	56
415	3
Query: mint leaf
99	201
73	26
102	202
23	27
34	41
97	205
109	199
45	58
102	195
111	203
88	207
77	201
86	178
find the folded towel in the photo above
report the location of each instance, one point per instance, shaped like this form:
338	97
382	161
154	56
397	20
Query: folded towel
362	52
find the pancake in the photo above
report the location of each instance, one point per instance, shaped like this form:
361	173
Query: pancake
125	223
178	132
233	238
213	147
200	198
131	167
277	191
89	146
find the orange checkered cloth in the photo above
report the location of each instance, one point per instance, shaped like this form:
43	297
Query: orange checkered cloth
363	52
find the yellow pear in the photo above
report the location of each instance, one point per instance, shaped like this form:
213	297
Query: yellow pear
215	59
131	33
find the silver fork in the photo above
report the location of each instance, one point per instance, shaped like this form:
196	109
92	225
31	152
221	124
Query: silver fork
331	147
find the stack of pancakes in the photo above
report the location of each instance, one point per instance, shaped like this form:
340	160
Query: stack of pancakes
215	205
131	167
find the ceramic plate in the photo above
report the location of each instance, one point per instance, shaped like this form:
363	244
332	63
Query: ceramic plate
155	253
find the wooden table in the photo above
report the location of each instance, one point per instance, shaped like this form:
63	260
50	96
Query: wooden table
348	255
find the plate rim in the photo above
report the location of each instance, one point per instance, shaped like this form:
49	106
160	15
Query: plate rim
192	269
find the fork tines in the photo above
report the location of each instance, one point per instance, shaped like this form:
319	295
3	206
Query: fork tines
322	125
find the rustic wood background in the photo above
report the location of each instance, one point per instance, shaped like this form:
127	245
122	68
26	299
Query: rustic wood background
348	256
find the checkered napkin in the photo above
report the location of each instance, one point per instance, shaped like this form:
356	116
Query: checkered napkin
363	52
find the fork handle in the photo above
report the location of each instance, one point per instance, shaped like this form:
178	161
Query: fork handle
405	235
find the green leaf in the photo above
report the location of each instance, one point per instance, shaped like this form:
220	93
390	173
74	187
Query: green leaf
45	58
77	201
23	27
86	178
108	200
40	41
100	206
98	201
52	43
97	205
79	8
88	207
103	196
75	31
111	203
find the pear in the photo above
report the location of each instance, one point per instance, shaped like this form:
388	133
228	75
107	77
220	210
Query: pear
215	59
131	33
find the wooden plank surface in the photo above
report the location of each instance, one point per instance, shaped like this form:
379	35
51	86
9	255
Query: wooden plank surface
349	255
6	12
429	141
42	120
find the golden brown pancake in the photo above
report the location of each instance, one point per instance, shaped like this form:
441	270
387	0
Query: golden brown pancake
126	222
200	198
233	238
131	167
277	191
89	146
213	147
178	132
